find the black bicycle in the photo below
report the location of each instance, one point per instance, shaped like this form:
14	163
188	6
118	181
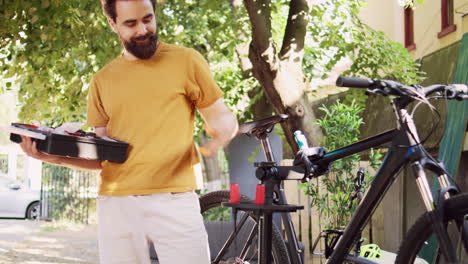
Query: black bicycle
252	237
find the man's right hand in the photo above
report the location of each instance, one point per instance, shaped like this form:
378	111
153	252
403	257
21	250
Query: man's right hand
29	147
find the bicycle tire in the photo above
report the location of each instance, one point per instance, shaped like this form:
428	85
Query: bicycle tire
421	231
215	199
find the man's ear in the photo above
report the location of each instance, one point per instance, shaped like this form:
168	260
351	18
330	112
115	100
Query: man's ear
112	24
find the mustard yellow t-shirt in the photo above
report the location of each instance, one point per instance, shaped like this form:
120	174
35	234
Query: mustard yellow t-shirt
150	104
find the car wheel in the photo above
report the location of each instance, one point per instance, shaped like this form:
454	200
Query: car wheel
33	211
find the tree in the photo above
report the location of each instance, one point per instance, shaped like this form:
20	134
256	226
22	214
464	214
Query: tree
52	48
338	31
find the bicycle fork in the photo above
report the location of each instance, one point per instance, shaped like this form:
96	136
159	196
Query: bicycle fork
437	219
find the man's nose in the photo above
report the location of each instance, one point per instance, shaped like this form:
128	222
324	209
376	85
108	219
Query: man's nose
142	30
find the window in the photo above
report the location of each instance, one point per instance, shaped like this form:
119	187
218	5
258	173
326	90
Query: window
446	13
409	29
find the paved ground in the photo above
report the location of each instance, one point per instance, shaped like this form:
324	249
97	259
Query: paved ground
32	242
37	242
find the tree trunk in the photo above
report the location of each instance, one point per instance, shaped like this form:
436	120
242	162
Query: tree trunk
261	108
280	74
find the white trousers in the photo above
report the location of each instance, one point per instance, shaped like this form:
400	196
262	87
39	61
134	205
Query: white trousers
172	221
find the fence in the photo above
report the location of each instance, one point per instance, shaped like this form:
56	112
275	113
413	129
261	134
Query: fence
68	194
3	163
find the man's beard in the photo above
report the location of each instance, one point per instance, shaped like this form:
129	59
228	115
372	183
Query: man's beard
142	50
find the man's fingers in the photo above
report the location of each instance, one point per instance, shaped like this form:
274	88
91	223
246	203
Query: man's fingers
205	152
25	144
210	149
29	147
34	150
211	132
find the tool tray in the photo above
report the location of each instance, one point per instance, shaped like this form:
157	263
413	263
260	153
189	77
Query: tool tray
268	208
78	145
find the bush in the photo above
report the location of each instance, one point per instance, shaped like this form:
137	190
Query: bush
332	195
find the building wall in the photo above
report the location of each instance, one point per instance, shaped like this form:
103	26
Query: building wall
427	24
387	16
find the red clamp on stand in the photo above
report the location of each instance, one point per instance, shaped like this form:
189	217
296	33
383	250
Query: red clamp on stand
234	193
260	195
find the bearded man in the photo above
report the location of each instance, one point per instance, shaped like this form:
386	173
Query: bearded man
147	97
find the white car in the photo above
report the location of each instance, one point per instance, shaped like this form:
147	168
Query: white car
17	200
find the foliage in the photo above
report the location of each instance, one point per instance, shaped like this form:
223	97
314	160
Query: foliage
217	214
411	3
211	27
332	195
8	101
52	48
336	33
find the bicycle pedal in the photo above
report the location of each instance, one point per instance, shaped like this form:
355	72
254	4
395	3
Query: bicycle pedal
240	261
236	260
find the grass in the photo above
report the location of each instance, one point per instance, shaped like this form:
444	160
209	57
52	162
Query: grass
60	225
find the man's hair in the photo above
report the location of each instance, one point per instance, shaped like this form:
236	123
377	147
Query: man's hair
109	7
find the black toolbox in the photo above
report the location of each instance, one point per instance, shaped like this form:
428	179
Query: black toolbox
78	145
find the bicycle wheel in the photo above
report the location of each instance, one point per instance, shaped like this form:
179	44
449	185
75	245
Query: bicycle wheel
420	240
219	225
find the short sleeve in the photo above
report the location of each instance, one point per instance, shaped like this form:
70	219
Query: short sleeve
201	87
96	116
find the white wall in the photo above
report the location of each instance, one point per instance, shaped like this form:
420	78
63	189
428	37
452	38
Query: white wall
388	16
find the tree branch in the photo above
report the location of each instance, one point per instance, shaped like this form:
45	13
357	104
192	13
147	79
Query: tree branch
259	15
296	27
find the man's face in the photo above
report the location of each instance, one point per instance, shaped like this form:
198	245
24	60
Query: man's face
136	26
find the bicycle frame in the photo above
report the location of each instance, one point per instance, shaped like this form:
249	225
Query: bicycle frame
404	149
384	178
379	186
360	146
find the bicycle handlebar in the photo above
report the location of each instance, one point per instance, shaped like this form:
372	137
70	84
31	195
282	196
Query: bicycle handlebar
354	82
388	87
459	91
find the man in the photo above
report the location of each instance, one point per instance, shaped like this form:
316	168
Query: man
147	97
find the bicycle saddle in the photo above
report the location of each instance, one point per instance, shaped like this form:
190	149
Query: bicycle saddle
261	127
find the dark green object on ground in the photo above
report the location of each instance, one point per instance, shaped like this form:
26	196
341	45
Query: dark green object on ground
452	142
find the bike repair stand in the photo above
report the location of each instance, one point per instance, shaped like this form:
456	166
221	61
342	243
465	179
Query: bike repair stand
269	176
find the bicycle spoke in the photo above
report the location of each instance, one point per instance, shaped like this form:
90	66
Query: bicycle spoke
463	226
458	250
457	232
231	238
445	243
247	245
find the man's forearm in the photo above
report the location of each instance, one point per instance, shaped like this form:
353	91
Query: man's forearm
74	163
225	127
221	124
